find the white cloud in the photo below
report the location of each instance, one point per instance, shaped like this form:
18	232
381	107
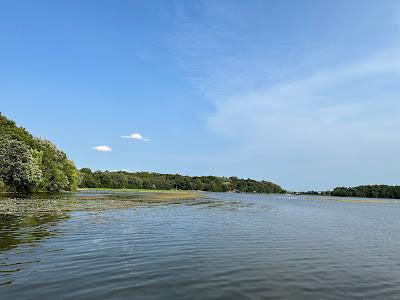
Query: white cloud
135	136
102	148
311	129
312	110
326	106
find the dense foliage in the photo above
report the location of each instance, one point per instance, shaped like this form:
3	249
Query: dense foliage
30	164
368	191
144	180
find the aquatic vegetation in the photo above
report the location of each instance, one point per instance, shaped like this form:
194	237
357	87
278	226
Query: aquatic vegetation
87	201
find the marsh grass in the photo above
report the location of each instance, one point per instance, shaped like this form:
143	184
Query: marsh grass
133	190
89	200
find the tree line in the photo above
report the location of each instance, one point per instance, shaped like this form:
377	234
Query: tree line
29	164
368	191
146	180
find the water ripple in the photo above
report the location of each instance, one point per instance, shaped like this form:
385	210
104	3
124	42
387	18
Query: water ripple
220	247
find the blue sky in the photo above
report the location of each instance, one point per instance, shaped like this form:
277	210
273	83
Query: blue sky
302	93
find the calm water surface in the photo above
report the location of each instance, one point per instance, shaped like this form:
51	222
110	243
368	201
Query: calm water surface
232	246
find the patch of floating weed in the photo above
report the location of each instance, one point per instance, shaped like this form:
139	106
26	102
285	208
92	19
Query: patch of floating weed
93	201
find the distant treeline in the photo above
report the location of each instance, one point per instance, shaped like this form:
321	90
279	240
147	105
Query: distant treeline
368	191
29	164
145	180
316	193
365	191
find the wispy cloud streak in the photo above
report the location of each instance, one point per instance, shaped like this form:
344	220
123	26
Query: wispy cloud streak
135	136
102	148
283	104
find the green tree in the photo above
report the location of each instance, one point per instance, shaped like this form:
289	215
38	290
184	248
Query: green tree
147	180
57	172
19	169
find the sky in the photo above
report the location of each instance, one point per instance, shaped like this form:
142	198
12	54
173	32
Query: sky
305	94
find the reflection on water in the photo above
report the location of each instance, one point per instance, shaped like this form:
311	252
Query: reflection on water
20	230
223	246
24	229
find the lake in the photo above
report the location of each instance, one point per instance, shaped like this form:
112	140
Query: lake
220	246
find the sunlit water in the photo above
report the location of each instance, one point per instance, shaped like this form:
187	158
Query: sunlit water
233	246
